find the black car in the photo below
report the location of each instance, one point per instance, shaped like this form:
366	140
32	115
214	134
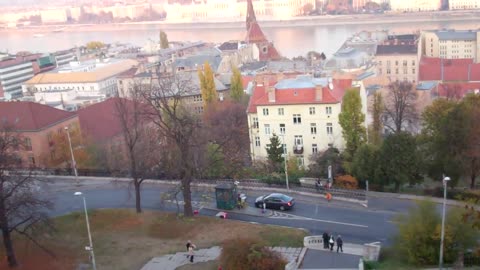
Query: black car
275	201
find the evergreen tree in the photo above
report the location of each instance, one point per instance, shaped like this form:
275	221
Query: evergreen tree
236	85
375	134
352	122
275	152
163	40
207	84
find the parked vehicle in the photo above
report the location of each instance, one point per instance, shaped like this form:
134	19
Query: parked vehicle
275	201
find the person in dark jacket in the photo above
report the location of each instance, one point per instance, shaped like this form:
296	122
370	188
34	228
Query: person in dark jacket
325	237
339	243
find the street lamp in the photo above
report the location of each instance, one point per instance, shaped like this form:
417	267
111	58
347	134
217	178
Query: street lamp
73	157
90	247
284	146
445	180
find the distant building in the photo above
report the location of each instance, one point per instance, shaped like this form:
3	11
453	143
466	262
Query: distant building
302	111
93	78
237	53
464	4
415	5
36	124
451	44
63	58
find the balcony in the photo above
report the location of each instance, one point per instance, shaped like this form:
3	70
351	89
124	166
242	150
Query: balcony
298	149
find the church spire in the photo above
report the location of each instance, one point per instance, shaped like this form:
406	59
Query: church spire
250	14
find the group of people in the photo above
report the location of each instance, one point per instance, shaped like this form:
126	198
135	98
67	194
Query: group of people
329	242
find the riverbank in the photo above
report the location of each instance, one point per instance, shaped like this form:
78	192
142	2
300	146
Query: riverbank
311	21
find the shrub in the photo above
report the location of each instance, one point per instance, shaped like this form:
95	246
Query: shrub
346	181
249	254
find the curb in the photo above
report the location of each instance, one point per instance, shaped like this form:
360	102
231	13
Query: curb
270	213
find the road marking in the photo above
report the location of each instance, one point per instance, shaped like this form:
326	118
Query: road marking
279	215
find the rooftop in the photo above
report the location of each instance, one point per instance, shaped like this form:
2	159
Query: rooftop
437	69
30	116
396	49
456	34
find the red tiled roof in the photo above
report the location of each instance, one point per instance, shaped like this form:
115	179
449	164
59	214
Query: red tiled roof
303	96
437	69
246	80
30	116
457	90
255	34
100	121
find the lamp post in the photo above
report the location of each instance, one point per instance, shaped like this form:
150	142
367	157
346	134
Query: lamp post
445	180
71	152
285	159
90	247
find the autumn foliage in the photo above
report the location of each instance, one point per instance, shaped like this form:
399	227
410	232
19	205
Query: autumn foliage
250	254
346	181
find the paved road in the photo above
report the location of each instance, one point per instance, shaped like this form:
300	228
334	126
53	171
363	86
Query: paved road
354	222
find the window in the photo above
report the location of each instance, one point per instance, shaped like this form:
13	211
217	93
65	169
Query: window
282	128
379	71
28	144
314	148
265	111
301	161
396	71
388	62
257	141
405	63
413	71
328	110
299	140
329	128
255	122
396	63
311	110
389	71
267	129
284	146
313	128
297	119
280	111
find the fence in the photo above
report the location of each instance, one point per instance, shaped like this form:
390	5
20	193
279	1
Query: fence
303	187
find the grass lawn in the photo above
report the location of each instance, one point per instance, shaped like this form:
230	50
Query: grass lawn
124	240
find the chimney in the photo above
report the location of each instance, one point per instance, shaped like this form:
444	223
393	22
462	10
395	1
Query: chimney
318	93
271	93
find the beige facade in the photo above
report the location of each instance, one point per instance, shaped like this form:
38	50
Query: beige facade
397	67
464	4
415	5
450	44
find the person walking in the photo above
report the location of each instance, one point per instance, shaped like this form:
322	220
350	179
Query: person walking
339	243
331	242
325	238
191	249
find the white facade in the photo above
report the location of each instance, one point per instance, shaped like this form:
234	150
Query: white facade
415	5
12	77
451	44
464	4
64	58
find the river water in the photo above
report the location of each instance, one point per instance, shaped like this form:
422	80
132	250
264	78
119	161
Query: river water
291	41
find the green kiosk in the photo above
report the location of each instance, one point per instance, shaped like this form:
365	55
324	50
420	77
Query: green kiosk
226	196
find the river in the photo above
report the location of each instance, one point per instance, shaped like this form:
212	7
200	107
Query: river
290	40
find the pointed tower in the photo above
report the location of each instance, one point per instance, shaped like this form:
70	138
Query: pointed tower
256	36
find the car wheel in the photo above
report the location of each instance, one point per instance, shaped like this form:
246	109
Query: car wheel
282	208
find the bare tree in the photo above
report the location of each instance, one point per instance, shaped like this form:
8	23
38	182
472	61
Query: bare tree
177	124
137	135
20	206
400	109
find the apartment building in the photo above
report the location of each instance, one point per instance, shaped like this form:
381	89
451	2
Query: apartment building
63	58
451	44
397	62
464	4
90	79
415	5
303	111
36	125
13	73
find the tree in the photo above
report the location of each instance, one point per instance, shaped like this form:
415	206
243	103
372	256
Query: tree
236	86
320	162
21	207
275	152
164	44
139	140
177	125
398	160
307	8
365	162
400	111
95	45
376	129
207	85
60	155
352	121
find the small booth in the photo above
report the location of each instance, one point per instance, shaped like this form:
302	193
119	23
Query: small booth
226	196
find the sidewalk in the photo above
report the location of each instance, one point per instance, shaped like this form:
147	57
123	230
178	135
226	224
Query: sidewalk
247	210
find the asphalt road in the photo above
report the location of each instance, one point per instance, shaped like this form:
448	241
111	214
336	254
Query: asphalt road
354	222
